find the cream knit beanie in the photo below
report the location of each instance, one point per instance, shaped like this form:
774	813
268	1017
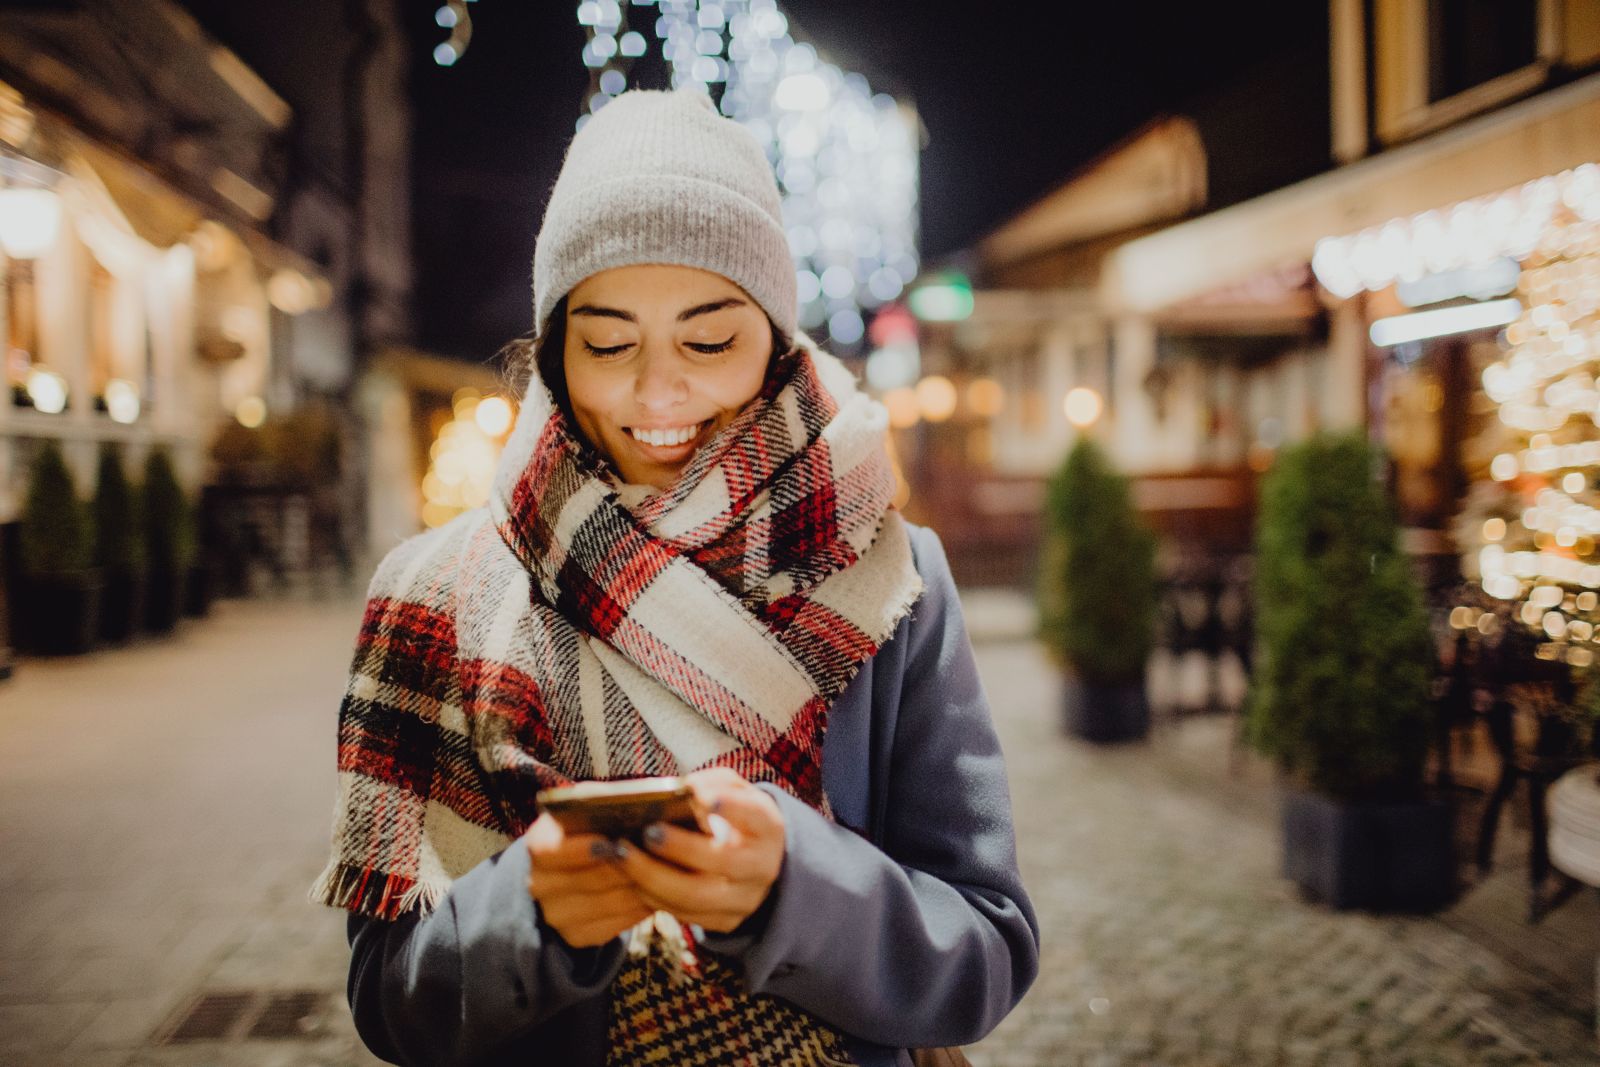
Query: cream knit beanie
660	177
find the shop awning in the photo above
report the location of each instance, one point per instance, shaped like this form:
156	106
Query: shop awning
1547	134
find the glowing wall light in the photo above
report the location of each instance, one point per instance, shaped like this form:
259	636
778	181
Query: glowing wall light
1083	407
1420	325
946	298
29	221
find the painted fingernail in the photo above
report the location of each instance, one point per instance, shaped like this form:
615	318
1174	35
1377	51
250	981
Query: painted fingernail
619	850
603	850
655	835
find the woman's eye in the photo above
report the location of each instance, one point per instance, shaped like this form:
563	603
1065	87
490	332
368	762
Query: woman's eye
608	351
710	349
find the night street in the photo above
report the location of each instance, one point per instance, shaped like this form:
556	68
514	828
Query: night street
156	854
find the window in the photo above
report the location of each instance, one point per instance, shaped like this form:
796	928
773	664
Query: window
102	291
1471	42
22	325
1436	62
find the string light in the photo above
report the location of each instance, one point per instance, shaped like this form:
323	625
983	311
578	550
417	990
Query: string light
462	458
845	156
456	17
1537	552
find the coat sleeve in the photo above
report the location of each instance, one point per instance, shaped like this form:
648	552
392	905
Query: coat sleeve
478	974
929	939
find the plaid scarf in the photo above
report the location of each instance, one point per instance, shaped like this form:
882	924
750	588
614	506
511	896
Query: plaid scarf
582	629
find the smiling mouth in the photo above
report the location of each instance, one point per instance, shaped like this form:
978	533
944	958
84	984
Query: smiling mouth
668	437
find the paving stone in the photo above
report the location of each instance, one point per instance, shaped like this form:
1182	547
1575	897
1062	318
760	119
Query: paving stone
1161	891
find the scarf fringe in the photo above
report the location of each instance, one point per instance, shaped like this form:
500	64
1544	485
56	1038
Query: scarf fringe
379	895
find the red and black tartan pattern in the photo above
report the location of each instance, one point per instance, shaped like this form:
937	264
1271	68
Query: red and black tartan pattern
435	717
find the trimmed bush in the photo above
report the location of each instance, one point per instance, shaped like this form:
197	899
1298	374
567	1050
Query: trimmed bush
169	518
1097	592
56	537
118	523
1340	689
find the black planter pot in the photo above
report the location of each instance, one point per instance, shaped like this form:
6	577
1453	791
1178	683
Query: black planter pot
58	614
1379	857
121	606
199	590
1105	714
163	603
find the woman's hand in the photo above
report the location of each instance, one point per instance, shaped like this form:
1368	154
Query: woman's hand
582	895
716	881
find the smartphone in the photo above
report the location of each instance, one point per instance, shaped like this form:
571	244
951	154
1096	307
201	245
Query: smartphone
623	809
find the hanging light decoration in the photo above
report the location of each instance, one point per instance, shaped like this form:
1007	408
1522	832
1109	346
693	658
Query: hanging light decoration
845	157
1474	235
1533	527
455	16
461	459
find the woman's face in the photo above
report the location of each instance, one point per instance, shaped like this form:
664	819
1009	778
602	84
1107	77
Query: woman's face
658	359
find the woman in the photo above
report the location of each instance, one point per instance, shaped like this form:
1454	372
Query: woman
689	565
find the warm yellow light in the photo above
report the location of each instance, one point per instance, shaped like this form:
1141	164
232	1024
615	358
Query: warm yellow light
1503	467
1083	406
903	408
47	390
291	292
251	412
986	397
29	221
493	416
465	403
1573	482
936	397
1494	529
238	323
213	246
122	400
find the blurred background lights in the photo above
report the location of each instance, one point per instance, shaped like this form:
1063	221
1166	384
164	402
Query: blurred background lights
904	410
1082	406
29	221
462	457
944	298
845	157
846	326
936	398
122	400
985	397
493	416
802	92
251	412
47	391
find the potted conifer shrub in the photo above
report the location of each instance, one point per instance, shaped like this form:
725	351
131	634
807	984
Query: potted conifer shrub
58	613
1097	597
170	540
1340	690
118	549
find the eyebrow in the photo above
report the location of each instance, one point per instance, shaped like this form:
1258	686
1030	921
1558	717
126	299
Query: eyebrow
594	311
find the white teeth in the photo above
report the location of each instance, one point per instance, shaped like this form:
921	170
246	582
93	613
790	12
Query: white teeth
666	438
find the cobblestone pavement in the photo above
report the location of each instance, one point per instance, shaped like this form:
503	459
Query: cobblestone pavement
163	809
1169	938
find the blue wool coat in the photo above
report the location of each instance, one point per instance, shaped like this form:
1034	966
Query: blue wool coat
904	924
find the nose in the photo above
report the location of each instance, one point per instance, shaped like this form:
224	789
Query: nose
661	384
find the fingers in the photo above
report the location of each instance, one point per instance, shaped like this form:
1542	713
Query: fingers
551	847
730	795
592	919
